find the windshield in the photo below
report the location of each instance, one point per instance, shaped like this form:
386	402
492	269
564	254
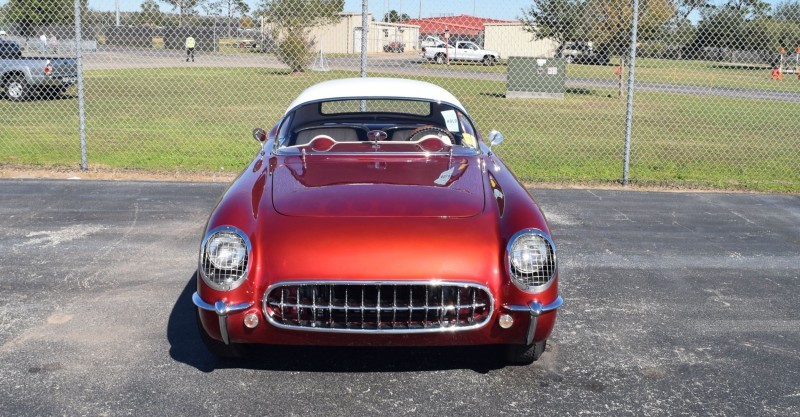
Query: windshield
370	125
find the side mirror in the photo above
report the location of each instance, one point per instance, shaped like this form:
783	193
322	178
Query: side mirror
260	135
495	138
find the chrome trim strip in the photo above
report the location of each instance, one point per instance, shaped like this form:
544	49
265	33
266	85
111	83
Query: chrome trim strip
241	279
383	331
537	288
222	309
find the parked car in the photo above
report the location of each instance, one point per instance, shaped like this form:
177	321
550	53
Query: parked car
582	53
374	214
247	43
22	78
461	51
398	47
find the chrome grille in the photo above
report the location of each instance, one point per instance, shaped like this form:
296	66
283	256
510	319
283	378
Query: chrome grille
378	307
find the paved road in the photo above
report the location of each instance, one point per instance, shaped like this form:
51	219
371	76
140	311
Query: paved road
406	65
675	304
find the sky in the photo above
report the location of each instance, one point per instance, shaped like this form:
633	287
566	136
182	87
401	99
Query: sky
497	9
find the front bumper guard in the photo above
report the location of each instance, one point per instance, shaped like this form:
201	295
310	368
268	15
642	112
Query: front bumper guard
222	309
535	309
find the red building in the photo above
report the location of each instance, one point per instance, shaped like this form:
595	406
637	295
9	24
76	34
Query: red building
461	27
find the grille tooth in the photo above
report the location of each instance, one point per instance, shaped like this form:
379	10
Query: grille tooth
380	307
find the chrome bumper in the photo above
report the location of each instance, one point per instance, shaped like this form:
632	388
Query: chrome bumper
535	309
222	309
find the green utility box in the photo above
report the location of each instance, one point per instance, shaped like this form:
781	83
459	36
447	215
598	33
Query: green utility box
530	77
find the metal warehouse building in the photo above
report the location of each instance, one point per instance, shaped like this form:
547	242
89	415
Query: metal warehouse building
344	37
511	39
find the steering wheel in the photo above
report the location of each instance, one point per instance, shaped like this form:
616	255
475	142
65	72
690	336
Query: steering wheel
431	131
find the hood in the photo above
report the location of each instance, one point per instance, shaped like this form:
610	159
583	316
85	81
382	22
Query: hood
375	186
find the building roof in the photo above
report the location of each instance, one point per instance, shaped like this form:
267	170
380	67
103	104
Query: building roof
357	88
464	25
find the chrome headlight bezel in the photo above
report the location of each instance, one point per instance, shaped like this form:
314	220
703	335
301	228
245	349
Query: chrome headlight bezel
222	279
542	277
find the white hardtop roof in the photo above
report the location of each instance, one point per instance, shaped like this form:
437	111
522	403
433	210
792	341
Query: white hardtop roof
358	88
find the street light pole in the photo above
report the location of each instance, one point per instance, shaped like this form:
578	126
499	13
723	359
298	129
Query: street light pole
117	9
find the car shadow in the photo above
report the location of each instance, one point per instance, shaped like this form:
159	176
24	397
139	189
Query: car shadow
187	347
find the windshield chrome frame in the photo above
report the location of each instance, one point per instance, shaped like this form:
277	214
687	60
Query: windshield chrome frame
281	150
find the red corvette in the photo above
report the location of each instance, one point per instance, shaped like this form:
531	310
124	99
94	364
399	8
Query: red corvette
374	214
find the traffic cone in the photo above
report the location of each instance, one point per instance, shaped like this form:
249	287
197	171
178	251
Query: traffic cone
618	72
777	75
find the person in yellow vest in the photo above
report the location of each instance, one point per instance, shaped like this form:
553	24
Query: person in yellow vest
189	48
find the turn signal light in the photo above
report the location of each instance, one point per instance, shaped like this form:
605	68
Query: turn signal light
506	321
251	321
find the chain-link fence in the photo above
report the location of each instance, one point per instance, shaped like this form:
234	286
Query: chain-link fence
709	97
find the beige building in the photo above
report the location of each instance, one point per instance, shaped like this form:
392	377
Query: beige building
344	37
511	39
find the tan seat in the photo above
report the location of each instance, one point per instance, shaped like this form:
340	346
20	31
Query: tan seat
401	135
339	134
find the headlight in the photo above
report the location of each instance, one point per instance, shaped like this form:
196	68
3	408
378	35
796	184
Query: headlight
224	257
226	250
531	259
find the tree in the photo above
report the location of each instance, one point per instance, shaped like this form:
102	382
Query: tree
685	7
788	12
394	17
150	13
604	23
609	22
559	20
233	8
289	23
28	14
185	8
749	9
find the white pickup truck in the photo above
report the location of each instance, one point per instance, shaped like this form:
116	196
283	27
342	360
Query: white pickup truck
461	51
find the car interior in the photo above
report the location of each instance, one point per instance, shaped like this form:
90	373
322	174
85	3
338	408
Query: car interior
381	123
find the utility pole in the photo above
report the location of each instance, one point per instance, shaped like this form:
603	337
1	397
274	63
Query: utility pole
420	10
117	8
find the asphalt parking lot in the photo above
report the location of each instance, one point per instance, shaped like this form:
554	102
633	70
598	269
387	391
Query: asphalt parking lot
675	304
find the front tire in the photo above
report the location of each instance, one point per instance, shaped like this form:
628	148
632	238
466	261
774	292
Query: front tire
488	60
17	88
524	354
216	347
439	59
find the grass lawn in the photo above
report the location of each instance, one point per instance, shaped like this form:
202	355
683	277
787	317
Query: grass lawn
652	70
200	119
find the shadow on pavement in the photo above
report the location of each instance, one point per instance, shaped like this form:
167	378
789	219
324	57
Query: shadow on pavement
186	347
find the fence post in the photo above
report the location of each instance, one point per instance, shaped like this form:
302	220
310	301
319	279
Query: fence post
81	109
364	30
629	110
364	24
